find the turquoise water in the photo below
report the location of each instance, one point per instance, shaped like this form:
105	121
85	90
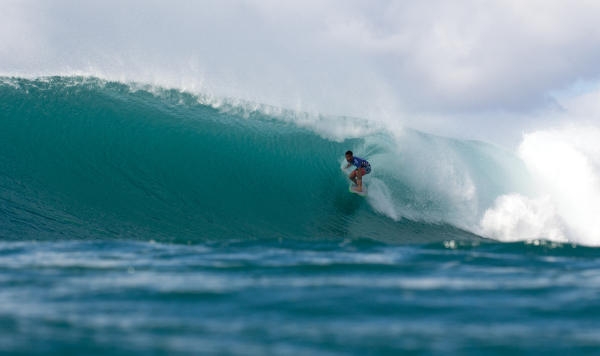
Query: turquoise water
298	297
143	220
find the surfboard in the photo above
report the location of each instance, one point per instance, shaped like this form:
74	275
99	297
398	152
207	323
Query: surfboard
352	187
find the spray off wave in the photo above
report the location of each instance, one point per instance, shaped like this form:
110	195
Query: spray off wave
87	157
564	206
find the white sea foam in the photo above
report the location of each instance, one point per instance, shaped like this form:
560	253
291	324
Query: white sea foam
516	218
380	198
565	206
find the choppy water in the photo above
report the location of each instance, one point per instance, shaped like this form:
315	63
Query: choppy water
298	297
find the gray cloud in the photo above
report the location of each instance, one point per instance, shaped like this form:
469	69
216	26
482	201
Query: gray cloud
429	63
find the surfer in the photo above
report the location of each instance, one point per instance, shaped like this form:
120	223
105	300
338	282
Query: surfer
363	167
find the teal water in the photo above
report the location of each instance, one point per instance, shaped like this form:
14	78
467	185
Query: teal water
144	220
298	297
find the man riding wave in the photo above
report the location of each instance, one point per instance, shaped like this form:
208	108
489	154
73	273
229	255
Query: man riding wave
363	167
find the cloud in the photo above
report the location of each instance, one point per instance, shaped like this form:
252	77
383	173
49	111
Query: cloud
429	63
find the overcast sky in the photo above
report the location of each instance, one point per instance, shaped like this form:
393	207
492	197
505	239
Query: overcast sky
480	69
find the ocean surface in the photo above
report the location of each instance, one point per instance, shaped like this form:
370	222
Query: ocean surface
144	220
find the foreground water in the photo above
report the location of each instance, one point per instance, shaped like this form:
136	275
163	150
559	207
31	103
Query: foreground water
298	297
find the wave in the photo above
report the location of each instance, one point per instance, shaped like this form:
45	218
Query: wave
83	157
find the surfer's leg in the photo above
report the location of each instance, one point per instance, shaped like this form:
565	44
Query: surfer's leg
352	177
359	174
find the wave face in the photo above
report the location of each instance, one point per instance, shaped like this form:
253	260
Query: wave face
88	158
86	154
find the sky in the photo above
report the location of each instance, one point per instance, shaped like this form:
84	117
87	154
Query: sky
490	70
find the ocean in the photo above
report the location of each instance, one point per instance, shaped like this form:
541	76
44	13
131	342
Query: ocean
136	219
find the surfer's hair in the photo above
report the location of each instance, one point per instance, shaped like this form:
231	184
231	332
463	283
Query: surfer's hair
349	153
